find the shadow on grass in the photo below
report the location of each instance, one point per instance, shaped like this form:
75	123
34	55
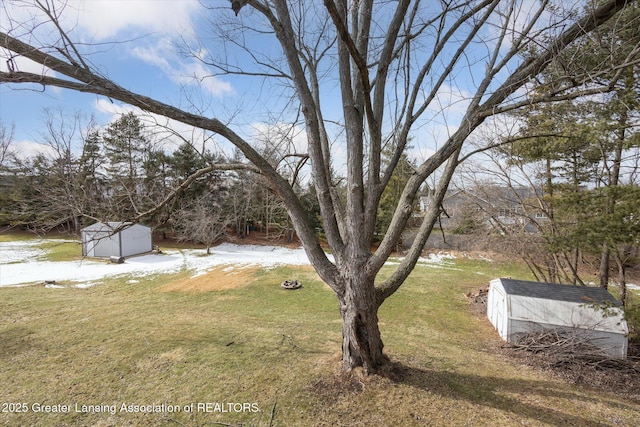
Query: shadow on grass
16	340
494	392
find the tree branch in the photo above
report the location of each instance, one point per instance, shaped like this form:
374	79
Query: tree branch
87	81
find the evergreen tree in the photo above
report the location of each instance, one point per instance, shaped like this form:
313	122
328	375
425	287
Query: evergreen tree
91	176
125	144
393	191
583	144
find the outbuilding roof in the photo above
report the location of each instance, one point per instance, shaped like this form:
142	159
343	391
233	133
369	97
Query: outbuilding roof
110	226
557	292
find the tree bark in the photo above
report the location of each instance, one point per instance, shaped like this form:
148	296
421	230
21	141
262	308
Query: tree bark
614	178
604	266
622	279
361	340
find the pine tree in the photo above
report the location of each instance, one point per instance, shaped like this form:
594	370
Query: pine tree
125	144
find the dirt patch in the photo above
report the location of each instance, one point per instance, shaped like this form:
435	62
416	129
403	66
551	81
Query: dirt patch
330	390
220	278
253	238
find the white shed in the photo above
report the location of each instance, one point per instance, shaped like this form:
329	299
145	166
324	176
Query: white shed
517	307
117	239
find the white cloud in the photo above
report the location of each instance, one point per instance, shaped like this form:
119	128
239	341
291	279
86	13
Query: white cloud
106	19
159	54
161	24
26	149
184	72
450	101
284	136
196	72
439	121
102	20
142	21
169	133
427	140
20	63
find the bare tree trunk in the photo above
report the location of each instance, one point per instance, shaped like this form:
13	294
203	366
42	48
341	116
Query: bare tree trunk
554	267
623	288
575	266
361	341
613	182
604	266
622	279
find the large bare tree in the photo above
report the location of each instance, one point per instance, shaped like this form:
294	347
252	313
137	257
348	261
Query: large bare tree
395	68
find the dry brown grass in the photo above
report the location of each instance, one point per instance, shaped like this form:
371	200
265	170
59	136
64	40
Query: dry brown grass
236	336
223	277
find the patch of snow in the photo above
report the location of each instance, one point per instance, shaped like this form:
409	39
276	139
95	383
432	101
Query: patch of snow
439	258
633	287
20	251
19	264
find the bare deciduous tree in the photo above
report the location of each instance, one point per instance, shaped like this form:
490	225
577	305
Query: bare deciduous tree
6	139
203	221
391	67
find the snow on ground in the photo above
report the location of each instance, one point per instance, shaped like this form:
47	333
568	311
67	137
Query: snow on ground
439	258
21	263
20	251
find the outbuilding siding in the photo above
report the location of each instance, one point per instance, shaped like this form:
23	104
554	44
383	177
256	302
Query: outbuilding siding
115	239
517	307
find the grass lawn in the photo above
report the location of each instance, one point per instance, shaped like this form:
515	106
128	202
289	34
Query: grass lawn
256	355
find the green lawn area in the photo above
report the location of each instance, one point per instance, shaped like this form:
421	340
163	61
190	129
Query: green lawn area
257	355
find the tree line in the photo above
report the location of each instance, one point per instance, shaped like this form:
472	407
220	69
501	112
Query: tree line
121	171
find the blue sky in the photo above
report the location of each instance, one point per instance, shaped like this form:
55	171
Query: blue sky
148	62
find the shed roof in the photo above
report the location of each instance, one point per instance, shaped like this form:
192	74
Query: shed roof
557	292
110	226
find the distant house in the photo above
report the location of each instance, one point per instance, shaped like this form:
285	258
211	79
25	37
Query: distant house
491	206
117	239
517	307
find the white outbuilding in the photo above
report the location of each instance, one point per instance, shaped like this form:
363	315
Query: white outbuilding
518	307
115	239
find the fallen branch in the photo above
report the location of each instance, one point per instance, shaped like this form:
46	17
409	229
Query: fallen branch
273	412
562	348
